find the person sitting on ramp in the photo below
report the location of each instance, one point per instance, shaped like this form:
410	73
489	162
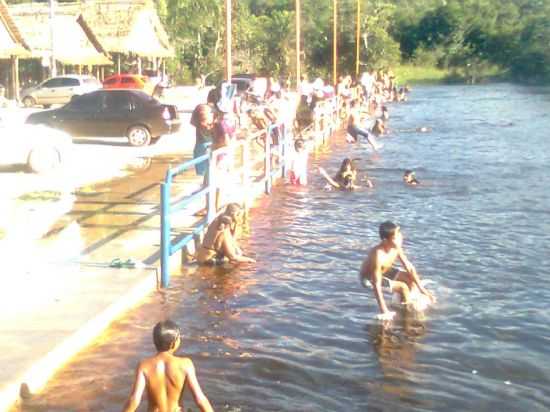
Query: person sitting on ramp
220	244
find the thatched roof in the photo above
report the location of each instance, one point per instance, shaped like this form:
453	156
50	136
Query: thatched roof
73	44
128	26
11	41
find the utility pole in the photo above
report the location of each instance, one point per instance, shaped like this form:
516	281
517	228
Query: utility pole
358	40
334	42
53	68
228	73
298	51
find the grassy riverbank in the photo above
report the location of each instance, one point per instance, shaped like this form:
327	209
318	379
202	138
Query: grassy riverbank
411	74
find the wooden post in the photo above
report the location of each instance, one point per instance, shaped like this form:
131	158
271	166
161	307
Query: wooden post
298	51
334	42
15	77
228	73
53	65
358	40
118	62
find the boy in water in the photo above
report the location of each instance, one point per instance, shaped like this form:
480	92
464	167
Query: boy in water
378	269
298	164
220	243
410	178
165	375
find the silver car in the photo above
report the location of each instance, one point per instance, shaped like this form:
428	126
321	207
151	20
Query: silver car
59	90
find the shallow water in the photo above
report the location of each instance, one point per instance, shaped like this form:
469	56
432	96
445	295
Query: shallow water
296	330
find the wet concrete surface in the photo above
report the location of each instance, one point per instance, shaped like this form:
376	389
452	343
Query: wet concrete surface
57	279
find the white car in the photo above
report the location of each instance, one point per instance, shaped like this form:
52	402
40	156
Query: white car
40	148
59	90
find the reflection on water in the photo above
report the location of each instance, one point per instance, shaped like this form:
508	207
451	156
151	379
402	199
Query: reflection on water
295	331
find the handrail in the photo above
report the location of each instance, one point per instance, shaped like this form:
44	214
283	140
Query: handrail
168	208
274	159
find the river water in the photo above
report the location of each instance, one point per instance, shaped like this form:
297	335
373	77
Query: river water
296	331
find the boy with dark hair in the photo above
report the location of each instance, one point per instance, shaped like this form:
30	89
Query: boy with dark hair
410	178
378	269
165	375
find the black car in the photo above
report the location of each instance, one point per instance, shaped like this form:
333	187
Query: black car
113	113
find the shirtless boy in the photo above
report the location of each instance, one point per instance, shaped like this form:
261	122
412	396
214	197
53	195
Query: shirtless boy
220	241
378	269
165	375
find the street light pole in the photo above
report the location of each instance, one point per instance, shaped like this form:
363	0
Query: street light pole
53	68
358	40
228	73
298	22
334	42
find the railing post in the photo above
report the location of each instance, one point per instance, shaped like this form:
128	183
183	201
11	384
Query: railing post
165	234
267	164
211	184
283	150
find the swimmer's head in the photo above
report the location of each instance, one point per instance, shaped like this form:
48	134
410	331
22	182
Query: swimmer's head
347	164
233	210
409	177
299	145
166	336
388	231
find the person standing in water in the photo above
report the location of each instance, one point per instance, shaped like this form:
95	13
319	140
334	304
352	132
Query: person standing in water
164	375
378	270
298	164
354	126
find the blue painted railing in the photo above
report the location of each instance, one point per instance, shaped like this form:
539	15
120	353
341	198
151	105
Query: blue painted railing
168	207
275	158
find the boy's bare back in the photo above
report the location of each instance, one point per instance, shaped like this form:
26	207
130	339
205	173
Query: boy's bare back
165	375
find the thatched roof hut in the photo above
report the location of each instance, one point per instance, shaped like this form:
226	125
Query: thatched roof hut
74	42
128	26
11	41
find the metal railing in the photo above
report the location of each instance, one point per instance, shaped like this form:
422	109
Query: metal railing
273	159
273	163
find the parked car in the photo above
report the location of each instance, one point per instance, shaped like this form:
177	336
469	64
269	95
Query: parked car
59	90
243	82
113	113
39	147
129	81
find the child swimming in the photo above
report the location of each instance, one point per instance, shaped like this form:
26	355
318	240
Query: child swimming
345	178
410	178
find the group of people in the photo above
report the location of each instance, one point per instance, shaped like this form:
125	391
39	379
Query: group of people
164	375
356	99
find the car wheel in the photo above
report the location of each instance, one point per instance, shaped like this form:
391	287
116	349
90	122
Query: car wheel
29	101
43	159
139	136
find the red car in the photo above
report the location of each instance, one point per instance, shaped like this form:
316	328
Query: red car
128	81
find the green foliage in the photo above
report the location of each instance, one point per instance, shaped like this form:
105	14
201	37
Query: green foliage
464	37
